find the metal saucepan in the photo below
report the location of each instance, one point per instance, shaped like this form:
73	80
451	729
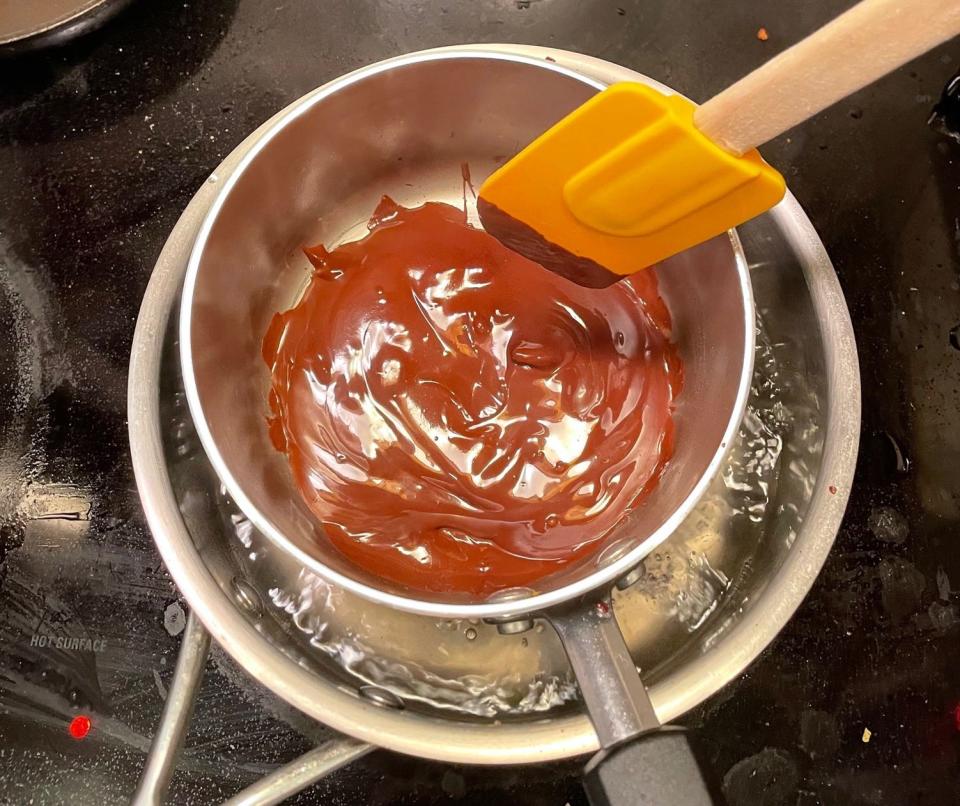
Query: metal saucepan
30	26
405	129
302	165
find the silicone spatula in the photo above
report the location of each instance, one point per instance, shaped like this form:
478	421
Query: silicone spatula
635	175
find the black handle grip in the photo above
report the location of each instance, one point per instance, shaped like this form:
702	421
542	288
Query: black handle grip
658	768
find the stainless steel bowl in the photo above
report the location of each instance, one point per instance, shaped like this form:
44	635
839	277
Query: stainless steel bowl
797	295
41	23
405	128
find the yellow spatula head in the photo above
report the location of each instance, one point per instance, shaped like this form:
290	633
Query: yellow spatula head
622	182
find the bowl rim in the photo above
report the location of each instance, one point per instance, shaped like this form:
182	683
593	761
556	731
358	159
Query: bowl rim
466	742
541	601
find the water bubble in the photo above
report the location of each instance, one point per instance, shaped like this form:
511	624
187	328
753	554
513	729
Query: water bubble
470	634
902	460
888	525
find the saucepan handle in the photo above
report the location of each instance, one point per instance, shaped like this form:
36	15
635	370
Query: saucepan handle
655	769
641	763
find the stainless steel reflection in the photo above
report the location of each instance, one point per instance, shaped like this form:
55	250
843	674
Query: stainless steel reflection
45	23
772	562
172	731
300	773
405	128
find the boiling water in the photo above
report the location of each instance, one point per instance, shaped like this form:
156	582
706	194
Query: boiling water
467	667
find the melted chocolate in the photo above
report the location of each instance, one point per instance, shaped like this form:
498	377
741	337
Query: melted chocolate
459	419
522	238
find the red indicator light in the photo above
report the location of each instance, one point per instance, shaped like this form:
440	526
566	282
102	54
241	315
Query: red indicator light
79	727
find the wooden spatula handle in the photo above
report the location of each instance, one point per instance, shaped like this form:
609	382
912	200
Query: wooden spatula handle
859	46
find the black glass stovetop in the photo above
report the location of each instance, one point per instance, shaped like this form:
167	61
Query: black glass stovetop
102	143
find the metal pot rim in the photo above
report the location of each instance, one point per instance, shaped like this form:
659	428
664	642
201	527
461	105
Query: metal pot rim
604	575
462	742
